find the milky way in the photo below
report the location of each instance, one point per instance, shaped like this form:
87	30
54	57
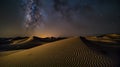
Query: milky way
77	17
33	16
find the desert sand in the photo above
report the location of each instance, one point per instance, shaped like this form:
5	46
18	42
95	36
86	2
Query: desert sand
71	52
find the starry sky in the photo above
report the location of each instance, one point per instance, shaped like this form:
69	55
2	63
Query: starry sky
59	17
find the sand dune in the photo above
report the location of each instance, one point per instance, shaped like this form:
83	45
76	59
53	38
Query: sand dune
72	52
108	38
22	41
18	43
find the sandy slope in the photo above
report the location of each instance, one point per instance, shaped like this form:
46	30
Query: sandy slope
65	53
6	53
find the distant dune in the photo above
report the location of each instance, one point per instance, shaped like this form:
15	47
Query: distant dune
18	43
108	39
72	52
22	41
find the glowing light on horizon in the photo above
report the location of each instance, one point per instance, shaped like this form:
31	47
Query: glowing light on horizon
45	35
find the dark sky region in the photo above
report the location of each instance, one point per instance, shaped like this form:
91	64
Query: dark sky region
59	17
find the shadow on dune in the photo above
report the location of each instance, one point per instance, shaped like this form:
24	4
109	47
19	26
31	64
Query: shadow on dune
111	51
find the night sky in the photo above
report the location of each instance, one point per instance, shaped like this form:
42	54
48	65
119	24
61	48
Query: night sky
59	17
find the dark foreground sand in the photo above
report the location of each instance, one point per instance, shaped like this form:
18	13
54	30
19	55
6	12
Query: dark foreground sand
72	52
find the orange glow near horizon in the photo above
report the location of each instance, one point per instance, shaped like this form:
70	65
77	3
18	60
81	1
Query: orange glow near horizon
45	35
